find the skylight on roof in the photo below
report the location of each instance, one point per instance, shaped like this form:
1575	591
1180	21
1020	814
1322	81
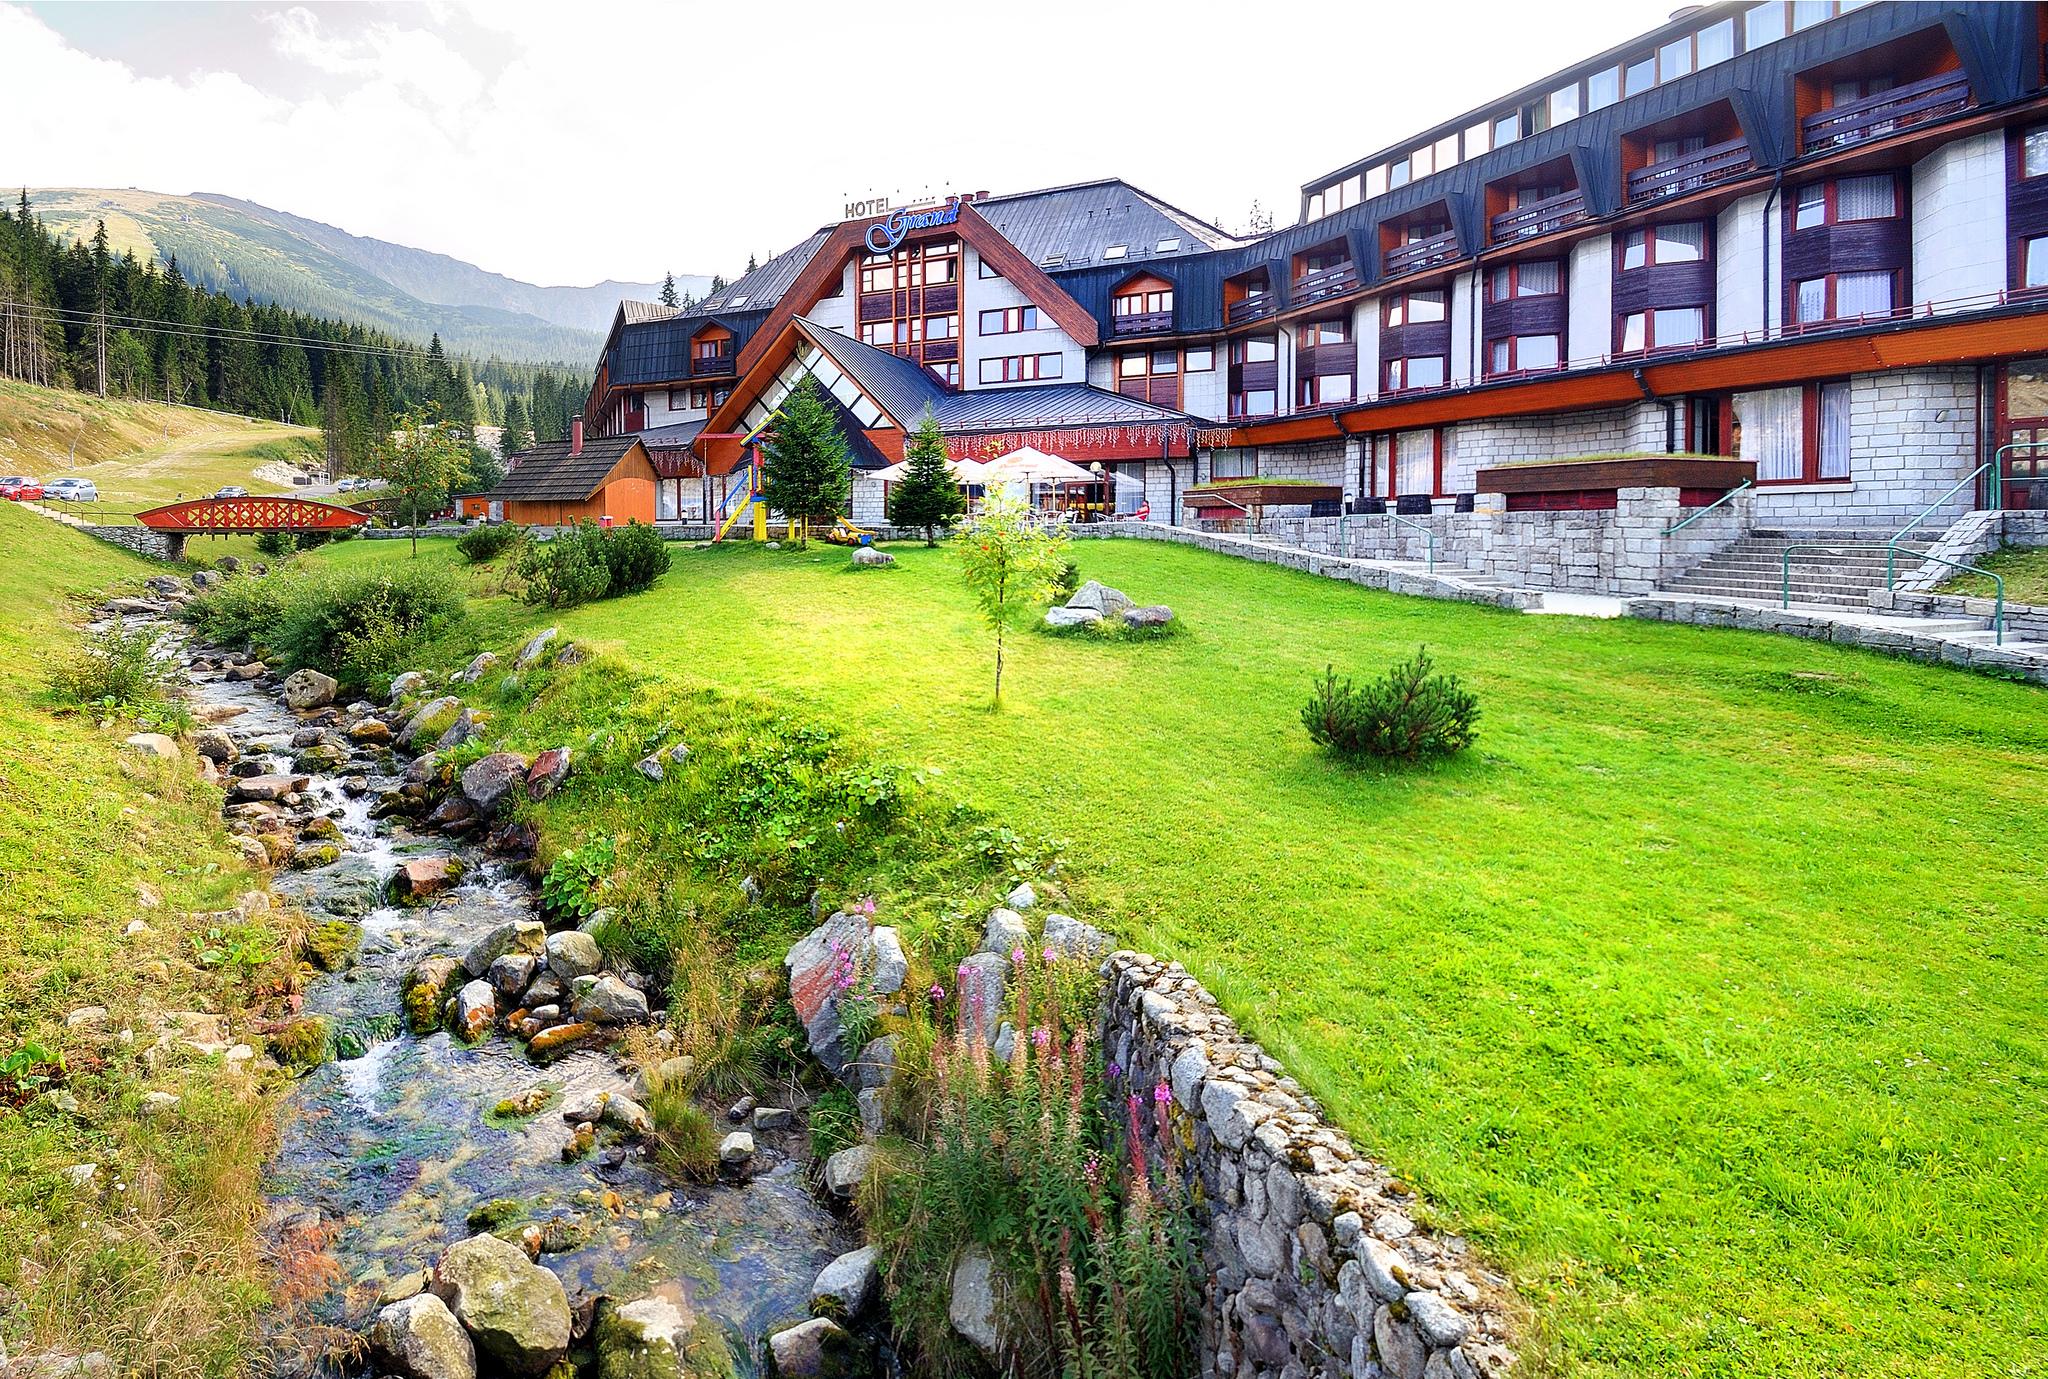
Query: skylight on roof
737	302
1052	260
1169	245
1116	251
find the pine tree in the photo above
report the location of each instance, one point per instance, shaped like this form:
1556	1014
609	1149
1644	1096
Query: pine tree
751	265
517	435
805	472
928	495
668	291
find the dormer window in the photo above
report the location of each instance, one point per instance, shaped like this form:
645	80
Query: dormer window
1170	245
737	302
1116	251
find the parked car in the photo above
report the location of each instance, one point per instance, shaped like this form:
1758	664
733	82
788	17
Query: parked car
26	491
233	491
12	482
73	490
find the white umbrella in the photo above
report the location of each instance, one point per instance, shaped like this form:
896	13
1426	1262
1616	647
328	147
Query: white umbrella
1030	466
965	471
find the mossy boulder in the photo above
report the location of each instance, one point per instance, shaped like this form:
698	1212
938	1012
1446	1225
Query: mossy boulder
332	945
302	1044
516	1311
425	991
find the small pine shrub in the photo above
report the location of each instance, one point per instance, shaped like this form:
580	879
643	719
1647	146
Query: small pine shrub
481	545
1067	579
635	556
1407	715
566	571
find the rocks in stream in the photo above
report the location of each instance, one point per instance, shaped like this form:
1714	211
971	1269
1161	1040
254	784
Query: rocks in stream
647	1339
425	991
847	1286
267	787
572	954
607	1000
817	1349
515	1311
422	878
557	1040
419	1338
486	782
476	1010
309	689
528	936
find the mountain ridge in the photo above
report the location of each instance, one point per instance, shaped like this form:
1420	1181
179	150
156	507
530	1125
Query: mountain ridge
254	251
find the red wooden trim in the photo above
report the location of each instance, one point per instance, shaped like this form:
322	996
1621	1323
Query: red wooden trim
256	513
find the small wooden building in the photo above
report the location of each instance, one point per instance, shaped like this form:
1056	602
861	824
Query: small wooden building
576	480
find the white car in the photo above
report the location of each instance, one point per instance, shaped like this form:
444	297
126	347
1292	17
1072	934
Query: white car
72	490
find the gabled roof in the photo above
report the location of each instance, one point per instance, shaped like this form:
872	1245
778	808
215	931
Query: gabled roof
899	387
549	473
1068	227
763	288
1038	405
633	313
674	436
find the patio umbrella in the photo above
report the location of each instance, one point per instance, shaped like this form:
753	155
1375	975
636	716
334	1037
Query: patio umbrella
1029	466
965	471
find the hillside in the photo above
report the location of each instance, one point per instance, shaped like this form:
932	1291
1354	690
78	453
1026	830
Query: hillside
271	256
142	453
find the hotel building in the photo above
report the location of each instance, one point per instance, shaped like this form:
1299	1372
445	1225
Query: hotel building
1809	236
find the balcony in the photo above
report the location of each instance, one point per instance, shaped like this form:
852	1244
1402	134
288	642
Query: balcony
1142	323
1330	282
1256	308
1887	112
711	365
1538	217
1676	176
1423	253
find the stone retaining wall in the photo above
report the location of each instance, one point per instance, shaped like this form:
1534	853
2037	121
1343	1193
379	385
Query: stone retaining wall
153	545
1315	1268
1440	585
1823	627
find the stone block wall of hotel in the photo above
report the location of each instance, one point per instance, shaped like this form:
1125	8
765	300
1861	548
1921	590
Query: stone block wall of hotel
1912	434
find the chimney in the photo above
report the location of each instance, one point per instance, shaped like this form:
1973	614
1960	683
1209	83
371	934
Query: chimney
575	435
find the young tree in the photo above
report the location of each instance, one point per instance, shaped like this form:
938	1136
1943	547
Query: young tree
668	291
804	462
419	460
1010	565
928	495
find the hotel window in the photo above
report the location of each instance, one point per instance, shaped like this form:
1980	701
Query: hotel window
700	399
1763	24
1233	464
1151	375
1478	139
1144	303
1020	368
1520	353
1169	245
1844	297
1198	361
1846	199
983	270
1376	180
1116	251
2034	152
1507	129
1603	88
880	334
1412	308
1535	278
1419	371
947	373
1254	349
1411	463
711	350
1663	329
1795	435
1322	390
1639	76
1254	397
1009	320
1335	331
1254	402
1685	242
2034	262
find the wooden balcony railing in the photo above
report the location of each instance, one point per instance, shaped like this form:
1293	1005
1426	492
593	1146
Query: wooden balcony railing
1539	217
1251	309
1887	112
1424	253
711	365
1330	282
1142	323
1676	176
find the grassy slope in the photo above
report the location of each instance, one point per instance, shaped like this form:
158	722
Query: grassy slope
90	839
1706	992
2025	570
139	453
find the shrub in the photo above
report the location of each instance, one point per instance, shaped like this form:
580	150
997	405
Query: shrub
117	668
566	571
276	544
1067	579
685	1141
635	556
357	625
481	545
1406	715
569	889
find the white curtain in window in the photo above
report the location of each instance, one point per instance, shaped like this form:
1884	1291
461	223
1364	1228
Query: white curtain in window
1865	198
1773	431
1863	294
1834	430
2037	262
1417	462
1538	278
1813	299
1685	242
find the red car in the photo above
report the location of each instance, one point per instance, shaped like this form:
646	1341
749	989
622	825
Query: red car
26	491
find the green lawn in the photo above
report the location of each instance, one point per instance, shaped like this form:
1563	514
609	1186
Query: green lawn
2024	569
1706	994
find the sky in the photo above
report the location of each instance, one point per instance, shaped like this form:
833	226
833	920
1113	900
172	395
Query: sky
567	143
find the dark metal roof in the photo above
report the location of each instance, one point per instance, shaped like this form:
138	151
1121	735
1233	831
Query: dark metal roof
763	288
1077	224
674	436
899	387
1045	405
659	351
549	473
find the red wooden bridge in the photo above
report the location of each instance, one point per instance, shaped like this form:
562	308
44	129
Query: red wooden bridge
246	516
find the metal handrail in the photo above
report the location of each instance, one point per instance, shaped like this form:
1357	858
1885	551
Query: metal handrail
1998	609
1993	493
1785	584
1683	523
1428	535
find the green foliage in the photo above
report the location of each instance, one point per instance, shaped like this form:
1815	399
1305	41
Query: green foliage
1407	715
277	544
835	1123
635	555
482	544
235	950
357	624
685	1141
301	1044
566	571
1067	579
804	462
420	460
117	668
1010	564
570	887
928	495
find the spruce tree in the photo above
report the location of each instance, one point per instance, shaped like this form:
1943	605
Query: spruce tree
805	472
517	436
668	291
928	495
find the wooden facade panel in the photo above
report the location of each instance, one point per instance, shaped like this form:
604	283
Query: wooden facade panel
1856	246
1664	285
1637	471
1544	315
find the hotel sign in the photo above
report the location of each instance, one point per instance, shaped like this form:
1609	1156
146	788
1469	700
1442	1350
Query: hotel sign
888	232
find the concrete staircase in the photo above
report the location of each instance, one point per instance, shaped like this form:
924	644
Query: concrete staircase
1753	569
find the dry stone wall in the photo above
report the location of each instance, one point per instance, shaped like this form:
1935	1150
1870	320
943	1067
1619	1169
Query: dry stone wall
1315	1267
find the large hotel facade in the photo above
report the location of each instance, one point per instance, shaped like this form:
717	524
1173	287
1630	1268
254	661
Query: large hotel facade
1810	236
